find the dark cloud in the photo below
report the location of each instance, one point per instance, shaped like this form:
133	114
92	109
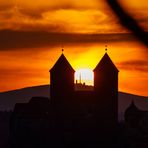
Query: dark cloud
134	65
32	14
62	4
6	7
28	39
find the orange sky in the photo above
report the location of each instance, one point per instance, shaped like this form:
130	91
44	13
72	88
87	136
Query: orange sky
32	32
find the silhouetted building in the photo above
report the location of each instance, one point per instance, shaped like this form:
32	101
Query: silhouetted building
82	117
61	81
106	93
30	123
99	107
135	129
136	118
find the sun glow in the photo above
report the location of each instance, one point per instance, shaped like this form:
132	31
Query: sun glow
84	75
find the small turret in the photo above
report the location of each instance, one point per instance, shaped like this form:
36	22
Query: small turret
132	115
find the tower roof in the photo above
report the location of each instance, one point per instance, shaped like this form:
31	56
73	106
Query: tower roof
62	63
105	62
132	108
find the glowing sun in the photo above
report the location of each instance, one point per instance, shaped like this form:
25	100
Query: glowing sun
84	75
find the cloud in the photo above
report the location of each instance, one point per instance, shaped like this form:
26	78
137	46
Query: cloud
6	5
46	5
74	21
93	16
60	4
134	65
29	39
76	16
37	23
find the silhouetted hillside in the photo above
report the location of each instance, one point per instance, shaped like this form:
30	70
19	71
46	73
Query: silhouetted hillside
124	100
10	98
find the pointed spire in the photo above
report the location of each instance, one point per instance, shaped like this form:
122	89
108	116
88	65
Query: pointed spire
80	79
105	62
62	50
62	63
106	48
132	107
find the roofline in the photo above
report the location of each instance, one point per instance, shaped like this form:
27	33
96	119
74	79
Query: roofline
110	60
57	61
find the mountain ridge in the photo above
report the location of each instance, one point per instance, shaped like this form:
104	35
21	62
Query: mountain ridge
8	99
46	85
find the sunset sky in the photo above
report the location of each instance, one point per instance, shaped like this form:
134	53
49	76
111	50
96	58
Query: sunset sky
33	32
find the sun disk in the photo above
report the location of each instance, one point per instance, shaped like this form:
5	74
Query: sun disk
84	75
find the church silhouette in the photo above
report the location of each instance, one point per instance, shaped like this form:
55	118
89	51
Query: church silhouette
102	101
70	117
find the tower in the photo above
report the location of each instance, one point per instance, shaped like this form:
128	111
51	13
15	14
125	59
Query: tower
61	80
106	92
132	115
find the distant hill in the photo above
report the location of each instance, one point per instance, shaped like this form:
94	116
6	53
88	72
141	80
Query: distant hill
10	98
